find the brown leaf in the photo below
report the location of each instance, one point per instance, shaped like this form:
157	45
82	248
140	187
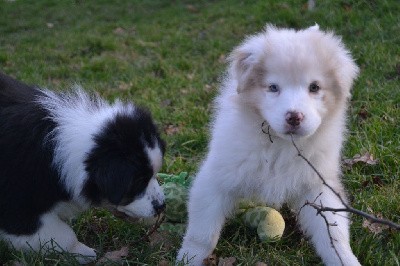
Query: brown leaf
190	76
192	8
211	260
376	180
347	7
163	263
119	31
261	264
125	86
171	129
161	238
208	88
227	261
222	59
114	256
375	228
367	158
363	114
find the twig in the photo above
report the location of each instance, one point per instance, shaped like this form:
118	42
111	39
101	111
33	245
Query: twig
159	221
262	129
346	208
123	216
330	235
308	203
328	225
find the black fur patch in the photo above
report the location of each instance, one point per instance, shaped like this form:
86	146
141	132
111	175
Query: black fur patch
29	186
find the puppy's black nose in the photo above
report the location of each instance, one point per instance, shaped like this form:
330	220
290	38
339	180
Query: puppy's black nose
294	118
158	207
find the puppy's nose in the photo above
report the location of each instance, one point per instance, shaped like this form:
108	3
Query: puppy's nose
294	118
158	207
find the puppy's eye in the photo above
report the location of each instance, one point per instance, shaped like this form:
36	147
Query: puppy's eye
273	88
314	87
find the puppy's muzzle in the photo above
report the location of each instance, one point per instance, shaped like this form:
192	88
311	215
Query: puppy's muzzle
158	207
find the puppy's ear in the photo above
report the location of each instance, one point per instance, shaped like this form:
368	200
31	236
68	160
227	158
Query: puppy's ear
244	61
335	54
346	70
113	179
242	64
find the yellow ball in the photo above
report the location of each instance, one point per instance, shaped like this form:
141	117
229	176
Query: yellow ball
268	221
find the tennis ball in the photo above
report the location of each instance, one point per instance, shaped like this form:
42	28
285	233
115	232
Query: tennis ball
268	221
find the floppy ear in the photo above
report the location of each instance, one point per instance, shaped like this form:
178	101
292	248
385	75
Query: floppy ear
245	58
347	72
242	64
114	179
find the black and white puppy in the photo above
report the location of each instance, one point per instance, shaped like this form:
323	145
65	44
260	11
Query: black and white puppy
61	153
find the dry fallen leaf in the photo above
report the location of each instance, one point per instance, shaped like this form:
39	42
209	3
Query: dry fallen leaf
347	7
190	76
114	256
192	8
363	113
376	181
161	238
375	228
125	86
208	88
227	261
261	264
211	260
119	31
171	129
222	59
367	158
163	263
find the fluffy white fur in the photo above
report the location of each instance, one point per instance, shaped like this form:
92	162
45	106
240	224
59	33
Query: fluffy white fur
55	234
242	162
79	119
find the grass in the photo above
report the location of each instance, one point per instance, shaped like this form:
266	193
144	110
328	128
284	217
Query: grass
168	56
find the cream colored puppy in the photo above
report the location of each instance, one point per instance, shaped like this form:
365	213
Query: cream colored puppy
296	83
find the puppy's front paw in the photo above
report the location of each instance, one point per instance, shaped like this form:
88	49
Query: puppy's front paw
192	254
83	253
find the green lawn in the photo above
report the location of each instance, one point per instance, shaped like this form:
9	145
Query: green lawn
168	56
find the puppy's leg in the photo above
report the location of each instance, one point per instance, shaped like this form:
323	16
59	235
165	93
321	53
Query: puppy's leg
316	227
208	208
54	234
